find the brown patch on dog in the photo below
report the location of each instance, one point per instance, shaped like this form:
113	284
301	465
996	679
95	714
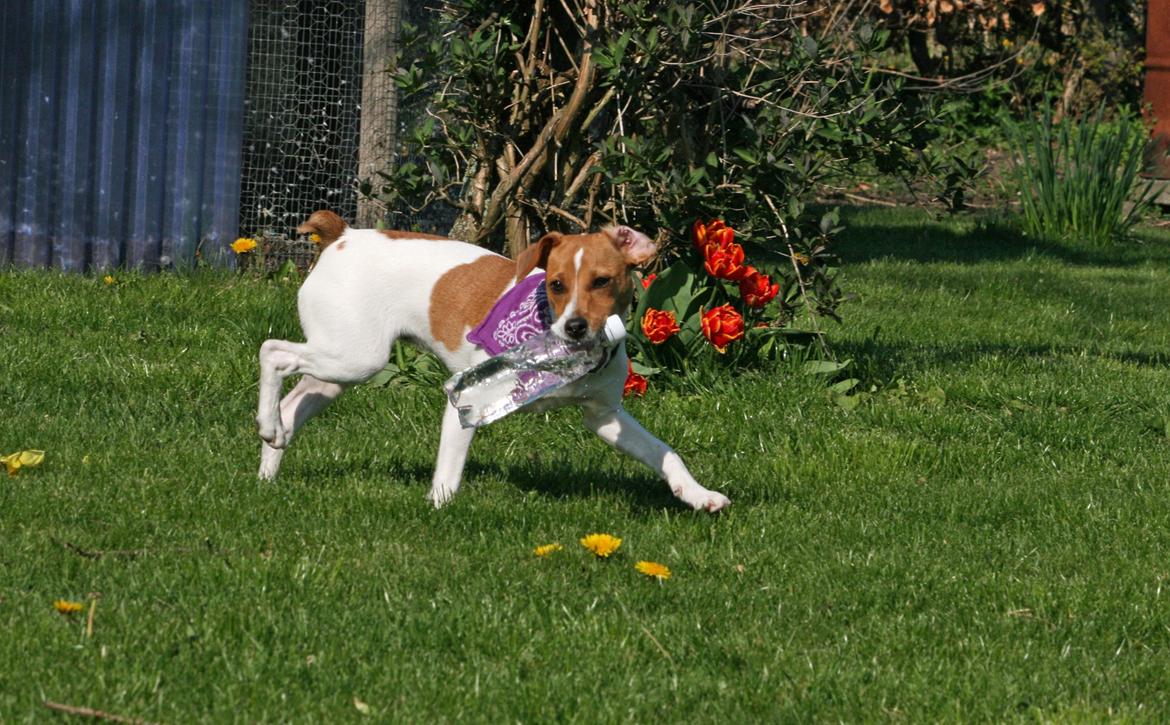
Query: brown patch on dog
341	246
465	294
395	234
324	224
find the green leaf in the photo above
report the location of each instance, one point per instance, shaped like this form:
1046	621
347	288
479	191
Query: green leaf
645	370
673	290
384	376
844	386
747	155
825	367
847	402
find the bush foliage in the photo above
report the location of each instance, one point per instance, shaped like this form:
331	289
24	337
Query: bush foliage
1075	53
531	116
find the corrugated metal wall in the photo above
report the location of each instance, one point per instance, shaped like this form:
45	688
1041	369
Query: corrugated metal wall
120	131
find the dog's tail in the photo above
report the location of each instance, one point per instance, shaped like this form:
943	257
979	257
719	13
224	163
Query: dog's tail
325	224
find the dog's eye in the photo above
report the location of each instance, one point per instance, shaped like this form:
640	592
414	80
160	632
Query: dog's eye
556	286
600	282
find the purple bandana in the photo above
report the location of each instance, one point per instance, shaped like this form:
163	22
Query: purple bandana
520	314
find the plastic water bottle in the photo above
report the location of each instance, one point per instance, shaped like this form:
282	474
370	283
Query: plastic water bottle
519	375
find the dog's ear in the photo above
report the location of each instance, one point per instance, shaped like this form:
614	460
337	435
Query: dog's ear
326	225
635	246
536	255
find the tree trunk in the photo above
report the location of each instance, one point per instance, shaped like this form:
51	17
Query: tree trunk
464	229
916	40
1072	85
379	120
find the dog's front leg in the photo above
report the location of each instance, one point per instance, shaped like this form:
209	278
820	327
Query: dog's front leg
453	447
619	429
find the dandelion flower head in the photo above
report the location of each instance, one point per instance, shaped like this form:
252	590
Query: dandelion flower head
654	569
547	549
66	607
601	544
243	245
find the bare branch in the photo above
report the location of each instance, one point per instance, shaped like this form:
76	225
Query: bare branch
92	713
554	131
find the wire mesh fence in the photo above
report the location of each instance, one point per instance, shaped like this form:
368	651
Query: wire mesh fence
321	115
304	113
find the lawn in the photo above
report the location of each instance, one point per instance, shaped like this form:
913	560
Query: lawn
981	534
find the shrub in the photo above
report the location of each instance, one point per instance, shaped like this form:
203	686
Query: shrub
1079	179
1077	52
531	117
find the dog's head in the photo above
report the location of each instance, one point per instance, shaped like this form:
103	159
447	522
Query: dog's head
588	276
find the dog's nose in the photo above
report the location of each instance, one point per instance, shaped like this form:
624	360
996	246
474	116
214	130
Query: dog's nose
576	327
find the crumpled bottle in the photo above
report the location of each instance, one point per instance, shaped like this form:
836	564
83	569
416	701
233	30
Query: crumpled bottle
519	375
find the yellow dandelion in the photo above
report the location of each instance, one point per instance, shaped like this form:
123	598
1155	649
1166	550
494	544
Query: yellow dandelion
547	549
315	238
22	459
243	245
654	569
109	279
601	544
65	606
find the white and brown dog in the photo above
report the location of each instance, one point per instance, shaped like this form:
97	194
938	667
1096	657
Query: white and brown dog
370	287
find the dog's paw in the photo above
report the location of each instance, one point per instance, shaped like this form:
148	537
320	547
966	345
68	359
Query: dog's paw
440	495
704	500
269	463
715	502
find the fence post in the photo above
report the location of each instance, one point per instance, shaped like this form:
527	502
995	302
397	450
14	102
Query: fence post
379	117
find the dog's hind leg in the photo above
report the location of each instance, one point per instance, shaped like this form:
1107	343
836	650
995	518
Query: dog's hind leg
279	359
309	397
619	429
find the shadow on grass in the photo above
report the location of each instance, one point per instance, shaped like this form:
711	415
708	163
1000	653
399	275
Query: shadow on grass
881	363
546	475
914	235
565	480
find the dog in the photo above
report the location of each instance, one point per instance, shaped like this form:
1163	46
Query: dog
370	287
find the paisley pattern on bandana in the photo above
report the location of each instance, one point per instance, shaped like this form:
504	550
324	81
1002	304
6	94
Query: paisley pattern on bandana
521	313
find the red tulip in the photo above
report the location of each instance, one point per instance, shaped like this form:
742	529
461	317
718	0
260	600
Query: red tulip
722	257
659	325
757	289
635	383
725	262
722	326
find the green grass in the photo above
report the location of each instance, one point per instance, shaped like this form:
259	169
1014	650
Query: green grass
999	554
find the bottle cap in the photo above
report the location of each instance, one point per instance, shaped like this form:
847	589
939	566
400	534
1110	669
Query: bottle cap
615	329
